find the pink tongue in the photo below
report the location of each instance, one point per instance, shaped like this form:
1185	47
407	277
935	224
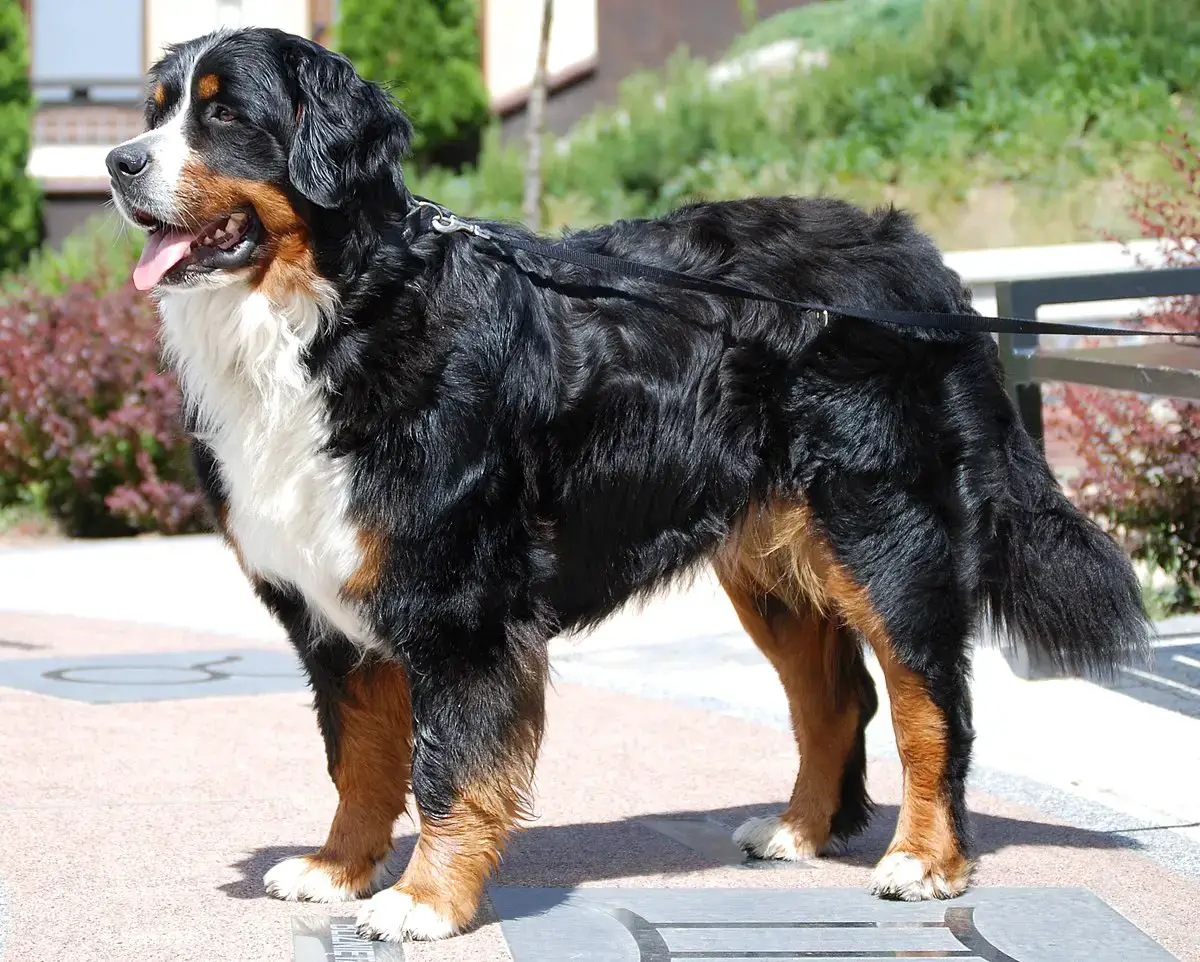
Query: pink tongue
165	248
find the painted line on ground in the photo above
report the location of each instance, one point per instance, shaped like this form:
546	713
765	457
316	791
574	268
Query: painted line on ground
1159	680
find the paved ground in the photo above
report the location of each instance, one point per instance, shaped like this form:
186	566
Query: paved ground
141	829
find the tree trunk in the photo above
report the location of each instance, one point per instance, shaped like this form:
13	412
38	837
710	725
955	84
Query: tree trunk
536	118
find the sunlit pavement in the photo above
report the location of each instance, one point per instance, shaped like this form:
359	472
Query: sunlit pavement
141	828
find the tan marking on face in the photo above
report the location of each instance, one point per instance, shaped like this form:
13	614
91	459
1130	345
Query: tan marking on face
284	266
374	762
208	86
160	96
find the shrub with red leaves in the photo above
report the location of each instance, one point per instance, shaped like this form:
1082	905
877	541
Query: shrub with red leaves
89	424
1140	456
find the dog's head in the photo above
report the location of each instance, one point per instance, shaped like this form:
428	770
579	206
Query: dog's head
252	137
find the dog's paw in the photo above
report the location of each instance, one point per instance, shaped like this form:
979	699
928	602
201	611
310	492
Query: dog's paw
771	837
393	916
904	876
308	878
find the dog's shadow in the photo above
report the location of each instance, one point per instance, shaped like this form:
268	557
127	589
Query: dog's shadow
570	855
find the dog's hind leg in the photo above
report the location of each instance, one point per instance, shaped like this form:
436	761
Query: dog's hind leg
365	713
897	588
775	580
831	698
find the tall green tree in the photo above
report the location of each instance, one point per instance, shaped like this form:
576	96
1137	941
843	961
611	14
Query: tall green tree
20	200
427	52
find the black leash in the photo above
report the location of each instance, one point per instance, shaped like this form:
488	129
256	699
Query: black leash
445	222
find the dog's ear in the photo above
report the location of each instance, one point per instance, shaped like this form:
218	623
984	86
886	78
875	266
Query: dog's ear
350	135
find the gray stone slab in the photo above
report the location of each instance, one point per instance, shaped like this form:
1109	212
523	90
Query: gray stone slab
105	679
1170	681
336	940
687	925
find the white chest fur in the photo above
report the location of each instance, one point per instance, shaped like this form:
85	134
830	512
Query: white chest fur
240	360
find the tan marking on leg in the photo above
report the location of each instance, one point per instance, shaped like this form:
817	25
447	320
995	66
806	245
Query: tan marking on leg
373	768
779	549
456	853
208	86
374	758
804	650
373	548
776	551
925	826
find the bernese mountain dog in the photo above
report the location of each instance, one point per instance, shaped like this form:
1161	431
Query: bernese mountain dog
432	454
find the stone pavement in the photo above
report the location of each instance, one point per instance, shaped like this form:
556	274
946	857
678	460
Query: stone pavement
137	824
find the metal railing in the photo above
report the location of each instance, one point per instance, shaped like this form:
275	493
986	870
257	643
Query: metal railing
1163	368
1169	369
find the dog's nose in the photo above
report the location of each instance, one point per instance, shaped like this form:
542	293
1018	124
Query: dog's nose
127	162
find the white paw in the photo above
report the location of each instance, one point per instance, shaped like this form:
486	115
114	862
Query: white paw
393	916
302	879
771	838
903	876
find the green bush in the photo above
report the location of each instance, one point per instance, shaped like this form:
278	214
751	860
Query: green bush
20	206
428	53
929	100
102	251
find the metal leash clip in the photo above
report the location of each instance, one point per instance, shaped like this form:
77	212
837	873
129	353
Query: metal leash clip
445	222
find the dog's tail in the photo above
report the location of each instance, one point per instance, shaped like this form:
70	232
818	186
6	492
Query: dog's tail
1056	581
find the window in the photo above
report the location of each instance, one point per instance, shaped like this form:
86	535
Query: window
511	29
86	50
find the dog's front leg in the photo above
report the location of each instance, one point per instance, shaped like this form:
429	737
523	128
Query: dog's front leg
365	716
478	706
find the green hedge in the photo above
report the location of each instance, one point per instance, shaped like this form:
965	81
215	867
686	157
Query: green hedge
102	252
20	204
1054	98
428	53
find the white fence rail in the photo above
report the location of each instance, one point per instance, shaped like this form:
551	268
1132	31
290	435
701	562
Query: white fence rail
981	270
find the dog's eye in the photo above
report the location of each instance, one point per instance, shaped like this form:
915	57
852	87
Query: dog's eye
222	114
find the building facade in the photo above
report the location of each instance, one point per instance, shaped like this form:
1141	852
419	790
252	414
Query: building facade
89	58
595	44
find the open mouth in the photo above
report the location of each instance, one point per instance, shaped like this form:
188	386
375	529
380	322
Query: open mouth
174	254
